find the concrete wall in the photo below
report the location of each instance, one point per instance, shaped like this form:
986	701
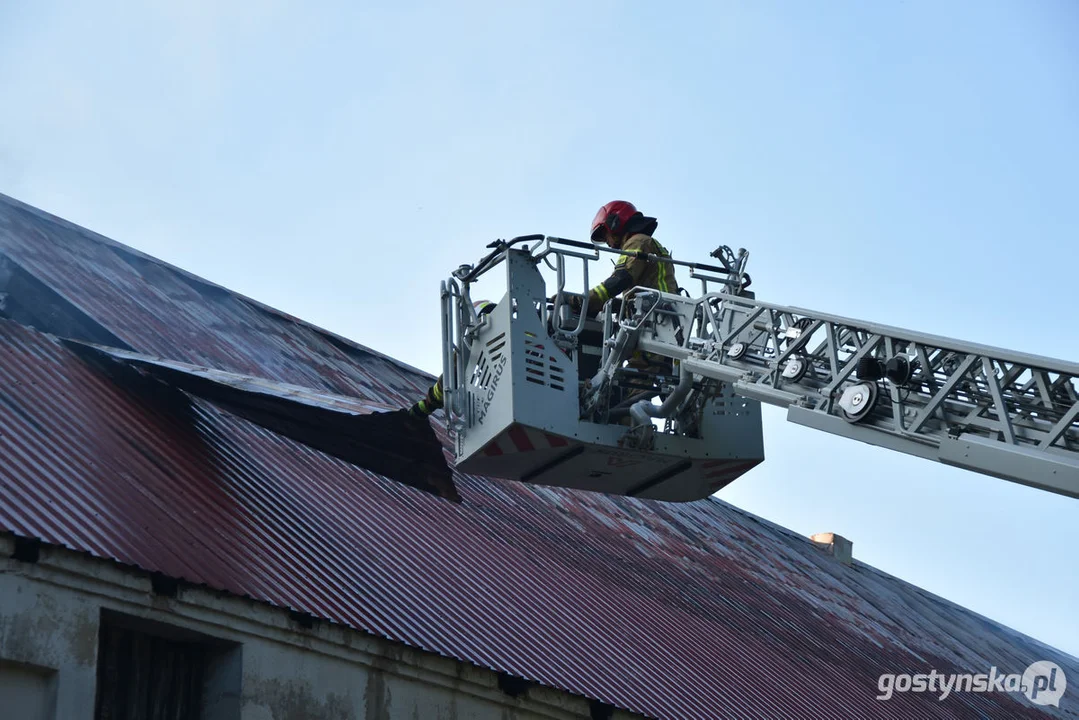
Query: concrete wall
27	692
264	666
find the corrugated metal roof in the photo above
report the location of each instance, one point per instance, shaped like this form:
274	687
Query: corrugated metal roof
672	610
388	441
159	310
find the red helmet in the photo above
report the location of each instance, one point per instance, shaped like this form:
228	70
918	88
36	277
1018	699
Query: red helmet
614	216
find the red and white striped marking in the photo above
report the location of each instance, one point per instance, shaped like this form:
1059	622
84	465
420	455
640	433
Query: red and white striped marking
523	439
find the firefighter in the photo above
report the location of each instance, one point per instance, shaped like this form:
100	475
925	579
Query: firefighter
621	226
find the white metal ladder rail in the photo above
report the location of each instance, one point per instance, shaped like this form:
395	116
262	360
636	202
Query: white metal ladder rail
993	411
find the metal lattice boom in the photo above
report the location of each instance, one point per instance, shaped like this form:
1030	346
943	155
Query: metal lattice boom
990	410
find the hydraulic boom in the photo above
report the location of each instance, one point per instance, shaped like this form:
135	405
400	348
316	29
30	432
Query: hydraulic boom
540	393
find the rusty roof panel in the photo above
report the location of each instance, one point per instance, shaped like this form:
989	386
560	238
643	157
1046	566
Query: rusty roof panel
159	310
692	610
385	440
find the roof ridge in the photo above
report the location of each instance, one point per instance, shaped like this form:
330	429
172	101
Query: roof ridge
257	304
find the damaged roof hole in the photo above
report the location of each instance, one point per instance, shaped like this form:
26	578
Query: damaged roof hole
600	710
27	550
161	584
303	619
512	685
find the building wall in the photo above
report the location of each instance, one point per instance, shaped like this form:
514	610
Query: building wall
262	663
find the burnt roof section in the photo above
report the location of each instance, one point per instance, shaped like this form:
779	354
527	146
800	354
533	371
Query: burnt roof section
671	610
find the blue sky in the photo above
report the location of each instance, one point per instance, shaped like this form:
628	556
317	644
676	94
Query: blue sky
910	163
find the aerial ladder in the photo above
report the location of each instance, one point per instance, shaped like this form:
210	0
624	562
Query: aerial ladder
539	393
